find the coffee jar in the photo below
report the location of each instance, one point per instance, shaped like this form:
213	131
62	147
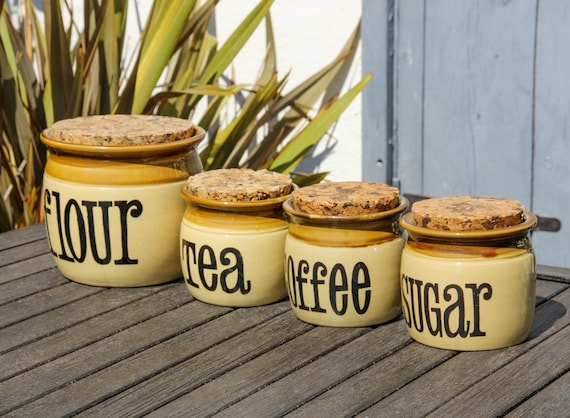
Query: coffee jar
343	252
468	277
111	196
232	236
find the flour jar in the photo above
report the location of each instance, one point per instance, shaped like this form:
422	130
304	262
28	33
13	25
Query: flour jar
232	236
468	273
111	196
342	253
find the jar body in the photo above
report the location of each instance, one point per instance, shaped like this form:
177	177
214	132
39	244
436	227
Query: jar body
233	256
468	294
114	222
343	273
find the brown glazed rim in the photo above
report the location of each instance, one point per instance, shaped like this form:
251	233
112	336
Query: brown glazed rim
529	222
125	151
229	205
288	208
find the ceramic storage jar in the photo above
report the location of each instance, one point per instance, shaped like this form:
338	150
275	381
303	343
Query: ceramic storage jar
468	273
111	196
232	236
342	253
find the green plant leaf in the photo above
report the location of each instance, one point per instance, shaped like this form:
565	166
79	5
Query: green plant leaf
235	43
59	64
67	67
294	151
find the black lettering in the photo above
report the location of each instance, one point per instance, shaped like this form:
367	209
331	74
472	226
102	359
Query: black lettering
405	305
302	269
476	291
417	311
187	248
432	288
105	205
47	211
63	255
290	280
357	286
135	207
322	269
80	223
240	283
459	307
203	264
334	288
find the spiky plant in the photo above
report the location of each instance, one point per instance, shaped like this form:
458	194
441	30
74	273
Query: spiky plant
63	68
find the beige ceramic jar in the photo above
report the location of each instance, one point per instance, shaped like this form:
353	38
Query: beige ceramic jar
111	196
232	236
468	273
342	253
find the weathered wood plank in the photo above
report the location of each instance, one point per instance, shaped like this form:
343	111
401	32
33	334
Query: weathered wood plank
28	251
451	378
494	395
554	273
82	334
548	402
248	378
315	378
21	236
29	307
105	353
25	268
184	361
76	303
375	382
29	284
546	289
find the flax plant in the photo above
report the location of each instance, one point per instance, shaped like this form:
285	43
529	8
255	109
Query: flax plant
66	67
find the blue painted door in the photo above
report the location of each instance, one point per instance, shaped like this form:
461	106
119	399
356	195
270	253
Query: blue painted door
472	98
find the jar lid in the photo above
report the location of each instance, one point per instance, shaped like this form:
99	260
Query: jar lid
467	217
126	135
349	198
238	186
466	213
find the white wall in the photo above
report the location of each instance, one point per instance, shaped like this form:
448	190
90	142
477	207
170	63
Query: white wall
308	35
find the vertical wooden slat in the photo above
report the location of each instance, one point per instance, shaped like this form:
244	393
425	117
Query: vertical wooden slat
551	185
479	59
374	97
408	94
479	103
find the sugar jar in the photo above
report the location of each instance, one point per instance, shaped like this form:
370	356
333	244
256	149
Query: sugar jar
468	275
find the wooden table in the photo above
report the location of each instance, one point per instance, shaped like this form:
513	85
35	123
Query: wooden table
68	348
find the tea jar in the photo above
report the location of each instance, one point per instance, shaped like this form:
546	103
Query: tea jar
232	236
111	196
468	273
343	252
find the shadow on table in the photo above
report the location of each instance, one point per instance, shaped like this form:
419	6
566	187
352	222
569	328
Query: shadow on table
547	313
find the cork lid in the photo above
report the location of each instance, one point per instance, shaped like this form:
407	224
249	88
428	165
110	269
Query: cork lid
345	198
120	130
239	185
466	213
